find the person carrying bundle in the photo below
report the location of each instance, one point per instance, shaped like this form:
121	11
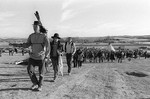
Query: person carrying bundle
55	53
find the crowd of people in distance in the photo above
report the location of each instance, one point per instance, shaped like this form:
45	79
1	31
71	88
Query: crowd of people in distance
98	55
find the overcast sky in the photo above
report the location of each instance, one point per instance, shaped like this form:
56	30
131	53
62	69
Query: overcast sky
80	18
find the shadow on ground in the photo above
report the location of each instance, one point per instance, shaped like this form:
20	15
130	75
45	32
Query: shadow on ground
137	74
9	89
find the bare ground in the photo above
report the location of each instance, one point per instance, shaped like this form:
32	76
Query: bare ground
127	80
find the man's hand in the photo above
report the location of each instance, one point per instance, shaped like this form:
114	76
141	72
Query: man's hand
72	54
25	45
46	59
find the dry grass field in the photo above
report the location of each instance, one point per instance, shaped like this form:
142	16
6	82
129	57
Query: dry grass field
127	80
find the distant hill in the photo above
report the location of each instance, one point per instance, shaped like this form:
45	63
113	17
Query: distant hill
87	39
13	40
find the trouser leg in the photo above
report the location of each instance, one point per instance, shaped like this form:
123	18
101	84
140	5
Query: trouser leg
55	66
69	61
41	72
31	72
79	64
75	62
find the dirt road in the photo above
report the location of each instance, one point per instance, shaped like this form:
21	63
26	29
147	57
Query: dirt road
92	81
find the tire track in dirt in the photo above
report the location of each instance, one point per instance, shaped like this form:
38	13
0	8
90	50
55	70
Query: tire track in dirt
108	79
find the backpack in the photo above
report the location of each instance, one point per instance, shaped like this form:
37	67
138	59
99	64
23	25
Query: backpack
66	45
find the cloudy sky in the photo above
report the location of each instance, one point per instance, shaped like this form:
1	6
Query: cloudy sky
80	18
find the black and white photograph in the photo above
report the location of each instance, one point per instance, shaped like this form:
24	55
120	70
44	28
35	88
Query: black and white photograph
74	49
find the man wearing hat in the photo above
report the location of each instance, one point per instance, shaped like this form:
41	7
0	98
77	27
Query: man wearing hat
55	52
39	52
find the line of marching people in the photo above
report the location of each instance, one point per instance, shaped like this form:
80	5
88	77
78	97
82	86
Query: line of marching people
43	50
96	55
56	52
